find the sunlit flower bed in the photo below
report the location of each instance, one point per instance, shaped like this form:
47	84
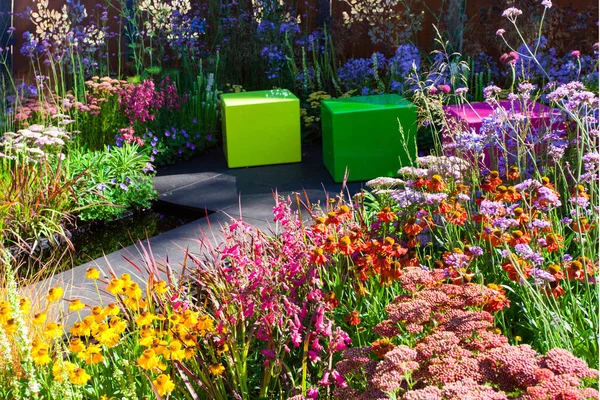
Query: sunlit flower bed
471	275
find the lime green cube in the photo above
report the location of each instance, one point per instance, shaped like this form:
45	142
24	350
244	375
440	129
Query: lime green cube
261	128
363	135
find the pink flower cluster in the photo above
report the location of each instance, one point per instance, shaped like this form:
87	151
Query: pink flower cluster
268	286
460	355
140	102
128	136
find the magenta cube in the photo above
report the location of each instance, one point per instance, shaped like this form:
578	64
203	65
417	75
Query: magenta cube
465	117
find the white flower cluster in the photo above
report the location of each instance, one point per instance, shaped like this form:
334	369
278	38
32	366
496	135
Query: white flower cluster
161	13
34	143
447	167
50	24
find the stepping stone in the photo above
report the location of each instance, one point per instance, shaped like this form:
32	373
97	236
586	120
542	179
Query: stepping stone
363	135
261	128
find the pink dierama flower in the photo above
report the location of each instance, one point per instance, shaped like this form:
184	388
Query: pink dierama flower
444	88
575	54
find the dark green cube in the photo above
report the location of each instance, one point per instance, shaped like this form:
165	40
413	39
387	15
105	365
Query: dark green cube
363	134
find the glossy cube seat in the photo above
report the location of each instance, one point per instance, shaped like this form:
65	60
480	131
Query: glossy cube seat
261	128
362	134
467	117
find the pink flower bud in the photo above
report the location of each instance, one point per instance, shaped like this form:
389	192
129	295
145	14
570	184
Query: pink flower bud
575	53
503	58
514	55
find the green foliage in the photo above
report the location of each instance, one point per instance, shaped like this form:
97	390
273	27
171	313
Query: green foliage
117	179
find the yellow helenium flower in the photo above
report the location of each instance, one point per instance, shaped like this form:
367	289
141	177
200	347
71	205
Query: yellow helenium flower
5	312
79	376
163	384
98	314
10	326
174	351
190	352
80	329
216	369
133	291
205	324
112	309
159	345
106	336
115	286
53	330
76	345
190	318
149	360
145	318
92	273
188	340
40	355
54	294
147	335
24	305
60	368
222	349
117	324
160	287
92	354
76	305
39	319
134	304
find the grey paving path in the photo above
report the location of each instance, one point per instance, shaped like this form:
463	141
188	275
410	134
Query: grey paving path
205	182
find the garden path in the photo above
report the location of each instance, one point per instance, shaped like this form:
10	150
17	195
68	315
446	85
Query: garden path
205	182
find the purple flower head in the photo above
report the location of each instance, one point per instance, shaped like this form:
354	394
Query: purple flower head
101	186
527	254
491	208
540	276
476	251
124	186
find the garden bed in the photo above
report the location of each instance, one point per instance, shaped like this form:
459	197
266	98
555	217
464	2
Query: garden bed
91	240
